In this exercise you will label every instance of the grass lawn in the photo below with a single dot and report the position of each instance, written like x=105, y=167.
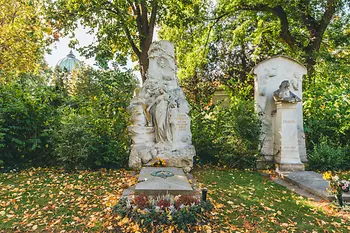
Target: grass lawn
x=250, y=202
x=49, y=199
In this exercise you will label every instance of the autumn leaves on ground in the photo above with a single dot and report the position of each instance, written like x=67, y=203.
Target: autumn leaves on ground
x=50, y=200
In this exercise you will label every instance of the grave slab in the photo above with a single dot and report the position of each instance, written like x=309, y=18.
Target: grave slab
x=313, y=183
x=153, y=185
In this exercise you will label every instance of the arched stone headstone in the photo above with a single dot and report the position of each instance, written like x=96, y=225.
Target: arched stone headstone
x=269, y=74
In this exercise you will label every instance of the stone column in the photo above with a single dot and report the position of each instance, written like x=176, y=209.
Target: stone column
x=286, y=138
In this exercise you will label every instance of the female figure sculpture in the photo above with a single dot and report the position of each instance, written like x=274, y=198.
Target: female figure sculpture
x=160, y=117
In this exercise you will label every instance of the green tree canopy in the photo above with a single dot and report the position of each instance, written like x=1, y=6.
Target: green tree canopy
x=301, y=24
x=234, y=35
x=22, y=37
x=122, y=27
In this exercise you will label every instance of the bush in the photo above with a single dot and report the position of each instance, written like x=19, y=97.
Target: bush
x=326, y=105
x=327, y=156
x=229, y=135
x=93, y=128
x=77, y=124
x=28, y=118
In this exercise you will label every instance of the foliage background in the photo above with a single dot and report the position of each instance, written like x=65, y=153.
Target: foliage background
x=50, y=118
x=78, y=124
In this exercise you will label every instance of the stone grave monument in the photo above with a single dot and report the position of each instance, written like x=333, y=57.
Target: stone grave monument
x=286, y=147
x=278, y=101
x=161, y=126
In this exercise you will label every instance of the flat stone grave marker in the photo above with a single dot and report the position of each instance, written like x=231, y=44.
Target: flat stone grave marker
x=313, y=183
x=153, y=185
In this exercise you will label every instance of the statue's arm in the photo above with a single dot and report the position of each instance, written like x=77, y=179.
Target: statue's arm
x=153, y=102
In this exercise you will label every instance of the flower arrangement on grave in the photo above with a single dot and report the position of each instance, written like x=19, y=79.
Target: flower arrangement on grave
x=158, y=162
x=167, y=209
x=337, y=186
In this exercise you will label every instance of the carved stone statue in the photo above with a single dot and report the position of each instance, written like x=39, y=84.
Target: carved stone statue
x=160, y=122
x=160, y=117
x=283, y=94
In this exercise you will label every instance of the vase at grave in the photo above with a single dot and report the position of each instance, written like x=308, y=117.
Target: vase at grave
x=340, y=199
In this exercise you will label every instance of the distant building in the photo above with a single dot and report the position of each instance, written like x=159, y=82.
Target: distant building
x=69, y=63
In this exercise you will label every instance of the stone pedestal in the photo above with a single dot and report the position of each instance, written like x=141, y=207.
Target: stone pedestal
x=286, y=146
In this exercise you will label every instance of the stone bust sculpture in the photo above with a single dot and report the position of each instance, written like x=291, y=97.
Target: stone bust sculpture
x=283, y=94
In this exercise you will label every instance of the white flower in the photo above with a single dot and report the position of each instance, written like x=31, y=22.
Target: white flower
x=182, y=206
x=172, y=209
x=335, y=178
x=128, y=204
x=153, y=202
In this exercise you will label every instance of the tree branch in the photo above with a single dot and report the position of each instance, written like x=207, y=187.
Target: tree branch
x=126, y=29
x=309, y=21
x=137, y=12
x=277, y=11
x=282, y=16
x=328, y=15
x=284, y=26
x=152, y=21
x=144, y=14
x=317, y=28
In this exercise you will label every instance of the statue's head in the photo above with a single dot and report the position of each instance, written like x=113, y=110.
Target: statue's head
x=163, y=47
x=284, y=85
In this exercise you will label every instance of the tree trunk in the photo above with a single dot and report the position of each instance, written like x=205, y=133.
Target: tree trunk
x=144, y=64
x=310, y=67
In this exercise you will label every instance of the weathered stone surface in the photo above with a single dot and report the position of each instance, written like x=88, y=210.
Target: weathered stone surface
x=159, y=114
x=313, y=183
x=152, y=185
x=268, y=76
x=291, y=167
x=180, y=157
x=286, y=148
x=141, y=134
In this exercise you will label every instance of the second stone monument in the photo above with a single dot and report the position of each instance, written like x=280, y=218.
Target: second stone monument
x=278, y=101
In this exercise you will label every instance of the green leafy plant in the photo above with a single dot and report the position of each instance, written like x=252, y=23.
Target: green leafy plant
x=93, y=132
x=29, y=115
x=227, y=135
x=153, y=211
x=328, y=156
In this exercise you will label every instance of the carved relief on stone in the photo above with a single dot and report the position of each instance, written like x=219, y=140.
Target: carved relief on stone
x=162, y=107
x=268, y=76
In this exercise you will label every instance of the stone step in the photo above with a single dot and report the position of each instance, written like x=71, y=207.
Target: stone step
x=312, y=182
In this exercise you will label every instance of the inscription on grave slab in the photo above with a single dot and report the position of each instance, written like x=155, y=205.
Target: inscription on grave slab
x=182, y=122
